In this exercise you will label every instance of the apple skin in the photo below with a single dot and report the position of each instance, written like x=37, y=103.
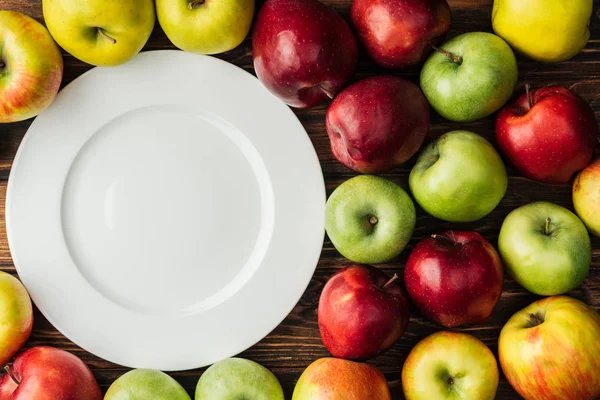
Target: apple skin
x=100, y=32
x=475, y=81
x=551, y=140
x=337, y=379
x=303, y=51
x=377, y=123
x=369, y=219
x=450, y=365
x=31, y=67
x=48, y=373
x=586, y=197
x=556, y=359
x=16, y=314
x=550, y=263
x=141, y=384
x=459, y=177
x=362, y=313
x=454, y=278
x=399, y=33
x=237, y=378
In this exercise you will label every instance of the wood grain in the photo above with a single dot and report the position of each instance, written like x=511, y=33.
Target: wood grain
x=295, y=343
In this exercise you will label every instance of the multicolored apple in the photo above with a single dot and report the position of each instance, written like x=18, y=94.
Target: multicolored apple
x=586, y=196
x=16, y=317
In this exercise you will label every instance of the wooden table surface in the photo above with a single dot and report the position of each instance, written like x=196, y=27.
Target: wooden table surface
x=296, y=342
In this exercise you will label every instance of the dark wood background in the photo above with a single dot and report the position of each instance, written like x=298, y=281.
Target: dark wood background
x=296, y=342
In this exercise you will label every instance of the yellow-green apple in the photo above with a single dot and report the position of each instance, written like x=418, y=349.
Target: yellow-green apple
x=586, y=196
x=48, y=373
x=549, y=350
x=454, y=278
x=141, y=384
x=100, y=32
x=31, y=67
x=238, y=378
x=369, y=219
x=337, y=379
x=545, y=248
x=548, y=134
x=450, y=365
x=399, y=33
x=549, y=31
x=205, y=26
x=470, y=77
x=303, y=51
x=16, y=316
x=377, y=123
x=362, y=312
x=459, y=177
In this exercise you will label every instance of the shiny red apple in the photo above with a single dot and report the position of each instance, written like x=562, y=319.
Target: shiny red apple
x=48, y=373
x=303, y=51
x=399, y=33
x=362, y=312
x=548, y=134
x=454, y=278
x=377, y=123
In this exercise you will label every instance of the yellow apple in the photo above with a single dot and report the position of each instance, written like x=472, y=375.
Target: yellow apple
x=100, y=32
x=586, y=196
x=31, y=67
x=205, y=26
x=16, y=316
x=548, y=31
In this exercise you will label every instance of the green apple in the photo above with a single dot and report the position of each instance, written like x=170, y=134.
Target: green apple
x=459, y=177
x=238, y=378
x=144, y=384
x=450, y=365
x=204, y=26
x=369, y=219
x=470, y=76
x=31, y=67
x=545, y=248
x=100, y=32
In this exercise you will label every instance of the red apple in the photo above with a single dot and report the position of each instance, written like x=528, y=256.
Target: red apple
x=454, y=278
x=303, y=51
x=399, y=33
x=361, y=313
x=548, y=134
x=377, y=123
x=47, y=373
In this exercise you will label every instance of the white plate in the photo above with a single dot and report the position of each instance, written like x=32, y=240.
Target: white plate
x=166, y=213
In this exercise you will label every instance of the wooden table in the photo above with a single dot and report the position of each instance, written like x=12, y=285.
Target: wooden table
x=296, y=342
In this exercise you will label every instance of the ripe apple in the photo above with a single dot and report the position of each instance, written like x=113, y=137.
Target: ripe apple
x=399, y=33
x=549, y=350
x=369, y=219
x=31, y=67
x=100, y=32
x=454, y=278
x=586, y=197
x=146, y=384
x=362, y=313
x=334, y=378
x=377, y=123
x=470, y=76
x=545, y=248
x=16, y=316
x=47, y=373
x=545, y=31
x=450, y=365
x=237, y=378
x=548, y=134
x=303, y=51
x=205, y=27
x=459, y=177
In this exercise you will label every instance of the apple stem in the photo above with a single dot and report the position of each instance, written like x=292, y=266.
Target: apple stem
x=2, y=65
x=450, y=381
x=535, y=320
x=373, y=220
x=195, y=4
x=444, y=240
x=101, y=32
x=12, y=376
x=327, y=92
x=547, y=228
x=392, y=279
x=527, y=88
x=455, y=59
